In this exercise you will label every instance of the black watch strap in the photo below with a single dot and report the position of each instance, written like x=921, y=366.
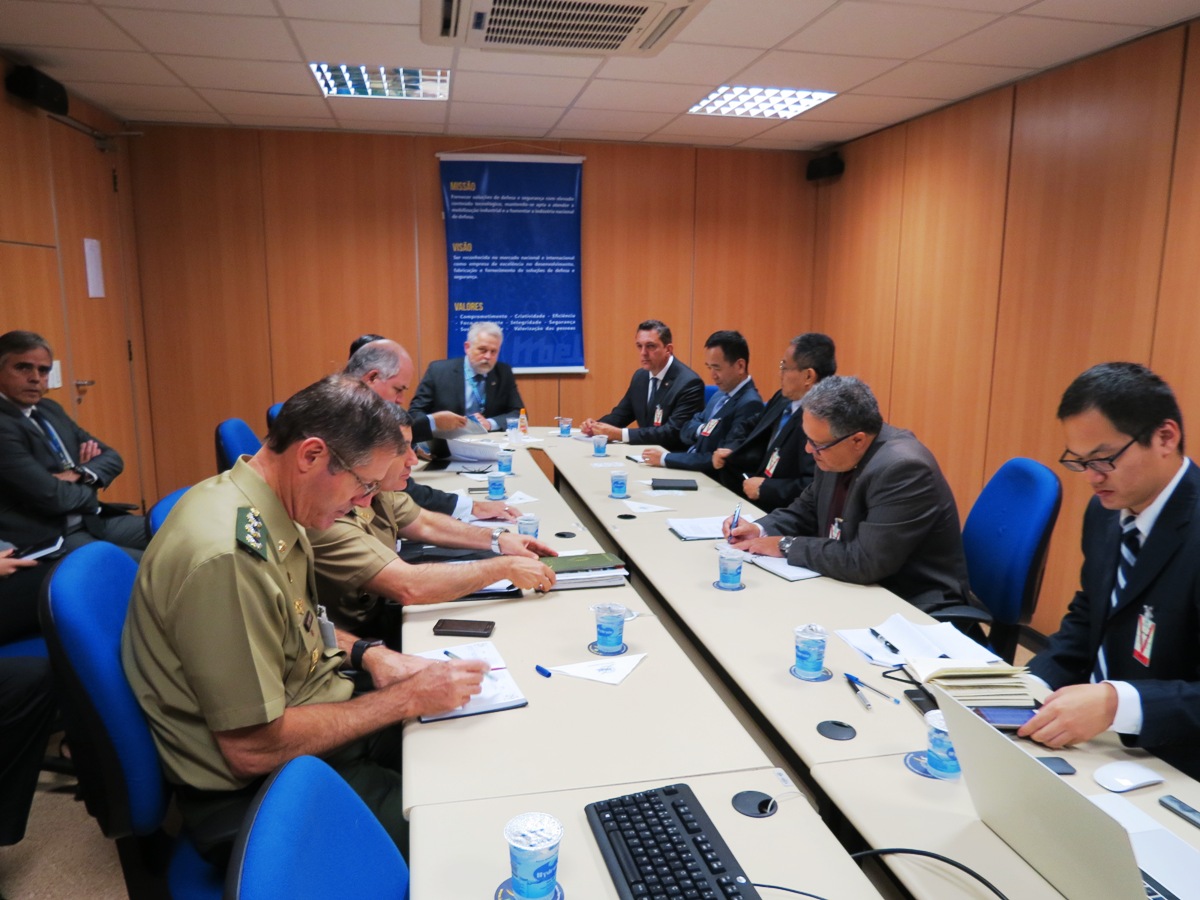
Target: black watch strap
x=361, y=647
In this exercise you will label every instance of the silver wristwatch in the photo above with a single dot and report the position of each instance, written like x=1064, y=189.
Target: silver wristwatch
x=496, y=532
x=785, y=544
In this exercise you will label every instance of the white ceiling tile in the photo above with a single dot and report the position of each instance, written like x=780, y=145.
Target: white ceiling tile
x=363, y=109
x=177, y=118
x=248, y=103
x=680, y=63
x=666, y=98
x=389, y=12
x=470, y=60
x=114, y=66
x=695, y=140
x=813, y=71
x=243, y=74
x=233, y=37
x=868, y=109
x=1033, y=43
x=498, y=115
x=734, y=23
x=732, y=128
x=582, y=134
x=1144, y=12
x=229, y=7
x=996, y=6
x=947, y=81
x=59, y=25
x=260, y=121
x=371, y=45
x=120, y=97
x=498, y=131
x=885, y=29
x=614, y=120
x=492, y=87
x=391, y=127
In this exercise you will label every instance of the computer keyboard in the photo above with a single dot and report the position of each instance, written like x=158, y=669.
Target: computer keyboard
x=662, y=844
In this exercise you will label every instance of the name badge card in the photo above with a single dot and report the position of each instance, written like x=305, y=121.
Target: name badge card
x=658, y=415
x=709, y=426
x=772, y=463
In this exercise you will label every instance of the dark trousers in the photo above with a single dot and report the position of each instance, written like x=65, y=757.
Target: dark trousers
x=130, y=533
x=19, y=602
x=27, y=710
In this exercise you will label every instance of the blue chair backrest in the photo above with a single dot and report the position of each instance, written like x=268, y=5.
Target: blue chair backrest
x=1006, y=537
x=83, y=612
x=158, y=512
x=709, y=390
x=273, y=855
x=234, y=438
x=272, y=412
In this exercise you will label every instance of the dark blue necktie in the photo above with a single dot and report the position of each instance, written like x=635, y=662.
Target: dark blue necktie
x=477, y=395
x=653, y=394
x=783, y=420
x=1131, y=543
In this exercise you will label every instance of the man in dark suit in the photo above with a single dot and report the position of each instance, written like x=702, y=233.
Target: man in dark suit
x=662, y=396
x=767, y=462
x=51, y=469
x=878, y=510
x=735, y=404
x=476, y=385
x=1126, y=657
x=387, y=369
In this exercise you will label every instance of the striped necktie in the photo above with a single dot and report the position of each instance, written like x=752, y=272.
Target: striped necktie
x=1131, y=543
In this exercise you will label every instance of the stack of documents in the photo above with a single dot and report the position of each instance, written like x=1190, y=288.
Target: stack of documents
x=586, y=570
x=500, y=690
x=707, y=528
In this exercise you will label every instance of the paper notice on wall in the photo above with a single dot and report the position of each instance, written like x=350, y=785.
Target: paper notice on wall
x=95, y=267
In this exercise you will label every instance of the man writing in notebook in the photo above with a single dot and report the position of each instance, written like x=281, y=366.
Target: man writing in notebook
x=878, y=510
x=1126, y=657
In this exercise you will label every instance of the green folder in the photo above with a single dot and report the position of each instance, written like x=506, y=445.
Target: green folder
x=583, y=563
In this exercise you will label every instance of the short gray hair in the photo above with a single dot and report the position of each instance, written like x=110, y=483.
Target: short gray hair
x=382, y=355
x=845, y=404
x=22, y=342
x=479, y=328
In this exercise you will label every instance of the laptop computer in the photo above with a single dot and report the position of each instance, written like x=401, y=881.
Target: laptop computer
x=1082, y=850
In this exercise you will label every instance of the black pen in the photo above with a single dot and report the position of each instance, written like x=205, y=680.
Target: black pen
x=863, y=698
x=879, y=637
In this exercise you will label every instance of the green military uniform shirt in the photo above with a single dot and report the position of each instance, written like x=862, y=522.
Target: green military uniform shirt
x=354, y=550
x=222, y=630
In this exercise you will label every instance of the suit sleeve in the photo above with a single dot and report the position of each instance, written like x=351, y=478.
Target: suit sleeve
x=743, y=416
x=777, y=492
x=431, y=498
x=424, y=400
x=797, y=519
x=901, y=507
x=29, y=484
x=688, y=402
x=622, y=414
x=690, y=432
x=107, y=466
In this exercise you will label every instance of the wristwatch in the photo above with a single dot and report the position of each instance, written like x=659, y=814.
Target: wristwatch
x=357, y=651
x=785, y=544
x=496, y=532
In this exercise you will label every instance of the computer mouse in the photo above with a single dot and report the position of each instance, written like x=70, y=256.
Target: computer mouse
x=1125, y=776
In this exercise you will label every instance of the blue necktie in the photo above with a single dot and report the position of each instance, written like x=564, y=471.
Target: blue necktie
x=653, y=394
x=477, y=402
x=1131, y=543
x=783, y=420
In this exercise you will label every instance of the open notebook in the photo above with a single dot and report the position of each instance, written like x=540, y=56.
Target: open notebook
x=500, y=690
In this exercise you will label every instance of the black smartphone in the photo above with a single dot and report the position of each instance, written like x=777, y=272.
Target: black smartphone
x=1177, y=806
x=1057, y=765
x=473, y=628
x=1005, y=718
x=921, y=700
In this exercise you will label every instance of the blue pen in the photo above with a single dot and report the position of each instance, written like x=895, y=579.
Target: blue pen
x=737, y=517
x=854, y=679
x=487, y=674
x=543, y=671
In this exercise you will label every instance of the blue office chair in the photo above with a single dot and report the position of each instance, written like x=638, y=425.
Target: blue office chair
x=234, y=438
x=709, y=390
x=158, y=512
x=83, y=611
x=1006, y=538
x=274, y=852
x=30, y=646
x=272, y=412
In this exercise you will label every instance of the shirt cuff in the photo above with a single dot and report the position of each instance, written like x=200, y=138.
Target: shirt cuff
x=462, y=508
x=89, y=477
x=493, y=425
x=624, y=435
x=1128, y=719
x=432, y=424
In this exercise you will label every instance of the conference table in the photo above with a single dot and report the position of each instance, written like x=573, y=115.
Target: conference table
x=578, y=741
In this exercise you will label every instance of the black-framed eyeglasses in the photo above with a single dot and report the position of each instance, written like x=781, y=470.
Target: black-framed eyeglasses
x=368, y=488
x=821, y=448
x=1103, y=464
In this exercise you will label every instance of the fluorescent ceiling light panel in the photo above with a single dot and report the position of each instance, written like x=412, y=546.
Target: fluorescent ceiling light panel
x=382, y=82
x=758, y=102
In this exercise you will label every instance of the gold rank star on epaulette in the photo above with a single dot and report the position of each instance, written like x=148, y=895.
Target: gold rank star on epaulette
x=251, y=533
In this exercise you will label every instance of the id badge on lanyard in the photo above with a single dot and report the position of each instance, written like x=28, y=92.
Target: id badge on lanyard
x=658, y=416
x=1143, y=638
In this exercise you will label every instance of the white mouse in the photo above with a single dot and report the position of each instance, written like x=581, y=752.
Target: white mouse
x=1125, y=776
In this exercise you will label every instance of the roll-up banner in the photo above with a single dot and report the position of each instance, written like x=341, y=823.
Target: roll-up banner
x=512, y=254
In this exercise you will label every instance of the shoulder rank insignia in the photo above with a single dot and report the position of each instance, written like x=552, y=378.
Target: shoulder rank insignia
x=251, y=532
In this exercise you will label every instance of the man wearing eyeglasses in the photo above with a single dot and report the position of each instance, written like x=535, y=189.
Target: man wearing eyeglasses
x=1126, y=657
x=878, y=510
x=226, y=649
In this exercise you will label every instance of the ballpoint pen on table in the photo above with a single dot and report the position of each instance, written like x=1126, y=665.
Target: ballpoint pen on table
x=862, y=698
x=854, y=679
x=488, y=674
x=879, y=637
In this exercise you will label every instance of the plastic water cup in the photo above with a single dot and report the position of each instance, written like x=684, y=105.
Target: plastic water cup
x=941, y=761
x=512, y=430
x=533, y=840
x=610, y=628
x=504, y=460
x=528, y=524
x=564, y=427
x=619, y=480
x=495, y=485
x=729, y=562
x=600, y=444
x=810, y=651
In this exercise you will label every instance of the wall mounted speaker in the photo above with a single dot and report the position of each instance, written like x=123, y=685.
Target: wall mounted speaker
x=41, y=90
x=825, y=167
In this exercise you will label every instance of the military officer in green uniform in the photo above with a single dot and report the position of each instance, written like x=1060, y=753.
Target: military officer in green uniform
x=224, y=644
x=357, y=564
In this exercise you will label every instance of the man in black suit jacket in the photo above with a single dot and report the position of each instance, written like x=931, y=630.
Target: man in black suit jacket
x=662, y=396
x=51, y=469
x=476, y=385
x=878, y=510
x=735, y=403
x=766, y=462
x=387, y=369
x=1126, y=657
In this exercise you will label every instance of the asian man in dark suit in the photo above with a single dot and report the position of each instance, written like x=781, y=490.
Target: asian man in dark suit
x=767, y=462
x=663, y=395
x=879, y=510
x=1126, y=657
x=735, y=403
x=476, y=385
x=51, y=470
